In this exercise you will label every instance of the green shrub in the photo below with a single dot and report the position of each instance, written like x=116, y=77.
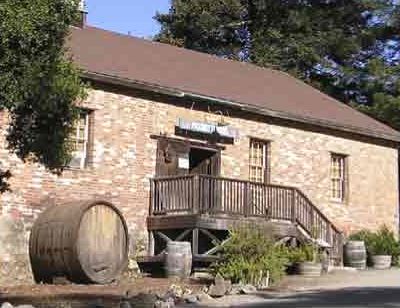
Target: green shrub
x=303, y=253
x=363, y=235
x=381, y=242
x=384, y=243
x=296, y=255
x=250, y=255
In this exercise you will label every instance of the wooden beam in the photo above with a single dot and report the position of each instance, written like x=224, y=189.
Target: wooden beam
x=283, y=240
x=178, y=238
x=194, y=143
x=163, y=236
x=216, y=248
x=210, y=235
x=151, y=244
x=182, y=235
x=212, y=251
x=195, y=241
x=294, y=242
x=205, y=258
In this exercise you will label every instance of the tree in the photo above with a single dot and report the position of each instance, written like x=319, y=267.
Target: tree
x=325, y=43
x=333, y=45
x=39, y=84
x=202, y=26
x=382, y=87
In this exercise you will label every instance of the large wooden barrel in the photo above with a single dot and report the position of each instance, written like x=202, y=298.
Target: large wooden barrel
x=178, y=261
x=84, y=241
x=355, y=254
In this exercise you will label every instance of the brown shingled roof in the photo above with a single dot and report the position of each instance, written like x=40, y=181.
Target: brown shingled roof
x=138, y=60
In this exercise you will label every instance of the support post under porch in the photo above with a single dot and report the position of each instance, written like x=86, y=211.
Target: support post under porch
x=195, y=241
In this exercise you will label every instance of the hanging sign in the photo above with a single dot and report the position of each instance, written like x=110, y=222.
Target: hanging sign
x=225, y=131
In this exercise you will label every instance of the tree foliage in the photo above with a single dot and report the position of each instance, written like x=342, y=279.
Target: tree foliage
x=202, y=26
x=38, y=82
x=341, y=47
x=382, y=87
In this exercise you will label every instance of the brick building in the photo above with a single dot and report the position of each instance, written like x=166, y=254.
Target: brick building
x=155, y=110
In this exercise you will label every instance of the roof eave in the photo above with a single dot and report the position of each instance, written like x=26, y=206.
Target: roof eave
x=136, y=84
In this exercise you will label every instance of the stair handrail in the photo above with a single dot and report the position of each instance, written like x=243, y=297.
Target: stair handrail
x=296, y=193
x=316, y=209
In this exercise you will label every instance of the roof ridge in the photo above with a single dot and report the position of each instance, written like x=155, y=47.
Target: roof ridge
x=186, y=50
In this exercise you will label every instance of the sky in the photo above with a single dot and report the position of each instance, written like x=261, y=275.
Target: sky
x=126, y=16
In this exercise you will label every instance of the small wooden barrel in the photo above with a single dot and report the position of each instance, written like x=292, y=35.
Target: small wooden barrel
x=310, y=269
x=178, y=262
x=86, y=242
x=355, y=254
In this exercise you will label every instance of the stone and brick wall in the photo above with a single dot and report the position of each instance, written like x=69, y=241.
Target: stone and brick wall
x=124, y=159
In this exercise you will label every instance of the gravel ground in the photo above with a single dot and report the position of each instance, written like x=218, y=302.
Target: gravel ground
x=341, y=289
x=72, y=295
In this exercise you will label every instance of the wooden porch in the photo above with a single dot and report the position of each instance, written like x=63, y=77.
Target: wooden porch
x=202, y=208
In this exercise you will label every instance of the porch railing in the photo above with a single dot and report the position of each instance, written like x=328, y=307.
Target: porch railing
x=203, y=194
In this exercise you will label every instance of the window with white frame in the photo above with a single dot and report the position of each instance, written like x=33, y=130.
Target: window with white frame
x=80, y=141
x=338, y=177
x=258, y=161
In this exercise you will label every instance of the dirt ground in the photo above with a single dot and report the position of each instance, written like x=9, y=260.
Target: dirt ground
x=147, y=285
x=290, y=287
x=49, y=295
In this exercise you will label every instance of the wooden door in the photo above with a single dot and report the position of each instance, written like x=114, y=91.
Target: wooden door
x=172, y=158
x=207, y=162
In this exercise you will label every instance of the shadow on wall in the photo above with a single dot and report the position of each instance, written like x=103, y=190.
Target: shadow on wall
x=14, y=256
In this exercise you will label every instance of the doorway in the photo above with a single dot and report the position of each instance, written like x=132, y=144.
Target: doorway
x=204, y=161
x=181, y=158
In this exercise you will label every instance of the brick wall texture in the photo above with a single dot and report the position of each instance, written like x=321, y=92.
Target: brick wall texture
x=124, y=159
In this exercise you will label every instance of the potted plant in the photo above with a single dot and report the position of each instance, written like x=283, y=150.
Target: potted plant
x=383, y=248
x=307, y=260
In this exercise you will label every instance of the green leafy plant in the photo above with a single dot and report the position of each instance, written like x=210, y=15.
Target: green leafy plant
x=381, y=242
x=296, y=255
x=39, y=84
x=363, y=235
x=384, y=243
x=303, y=253
x=250, y=256
x=311, y=249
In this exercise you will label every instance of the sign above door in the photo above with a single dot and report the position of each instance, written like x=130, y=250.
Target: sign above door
x=222, y=131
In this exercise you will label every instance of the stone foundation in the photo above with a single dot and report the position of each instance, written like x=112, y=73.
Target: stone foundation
x=14, y=258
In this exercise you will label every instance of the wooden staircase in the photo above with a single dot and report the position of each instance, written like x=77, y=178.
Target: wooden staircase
x=202, y=203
